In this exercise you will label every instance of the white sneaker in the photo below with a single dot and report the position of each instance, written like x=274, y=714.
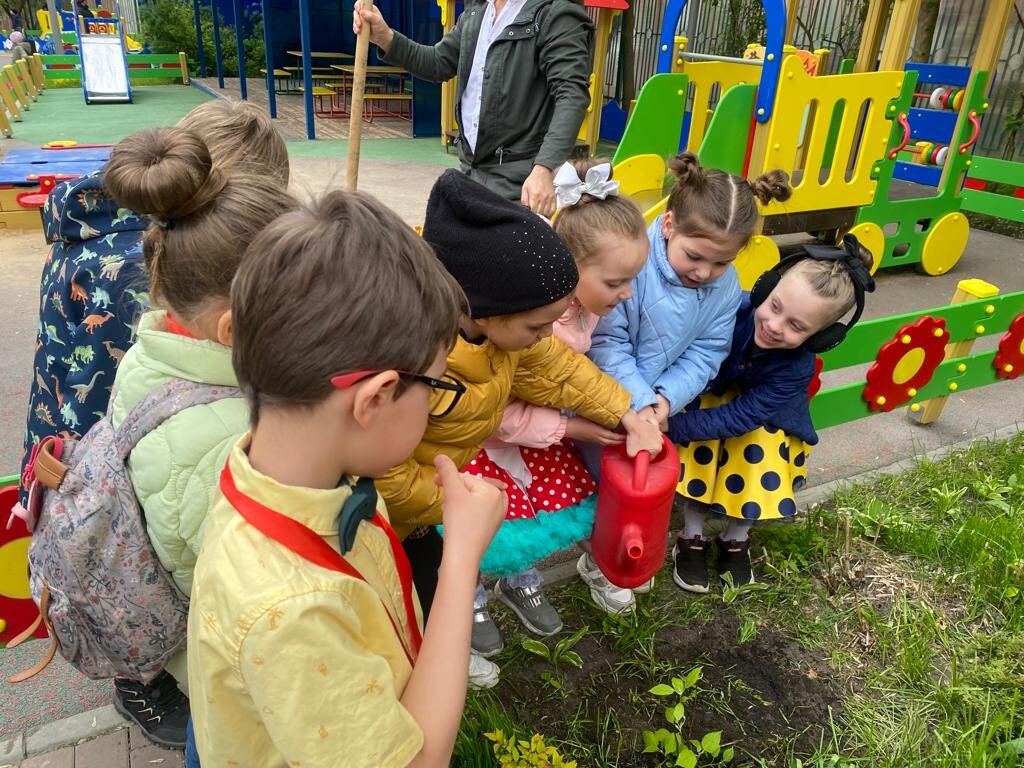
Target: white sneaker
x=608, y=597
x=483, y=674
x=644, y=588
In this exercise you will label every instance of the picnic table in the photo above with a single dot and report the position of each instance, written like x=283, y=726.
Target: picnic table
x=379, y=94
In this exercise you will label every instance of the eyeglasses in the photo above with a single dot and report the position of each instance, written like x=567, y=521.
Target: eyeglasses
x=444, y=396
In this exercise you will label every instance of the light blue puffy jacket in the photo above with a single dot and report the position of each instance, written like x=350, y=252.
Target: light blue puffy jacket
x=667, y=339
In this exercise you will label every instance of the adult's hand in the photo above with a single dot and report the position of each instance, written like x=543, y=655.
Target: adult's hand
x=381, y=34
x=539, y=191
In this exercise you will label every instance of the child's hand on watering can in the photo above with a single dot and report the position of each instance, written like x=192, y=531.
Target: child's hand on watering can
x=661, y=412
x=579, y=428
x=642, y=434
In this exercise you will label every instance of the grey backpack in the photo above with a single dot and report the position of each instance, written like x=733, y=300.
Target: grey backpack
x=110, y=607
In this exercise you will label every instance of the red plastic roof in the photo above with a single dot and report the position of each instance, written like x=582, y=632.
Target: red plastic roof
x=615, y=5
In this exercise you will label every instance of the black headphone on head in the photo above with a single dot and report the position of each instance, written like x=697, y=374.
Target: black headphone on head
x=849, y=255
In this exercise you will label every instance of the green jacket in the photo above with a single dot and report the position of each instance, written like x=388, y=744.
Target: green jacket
x=175, y=469
x=535, y=91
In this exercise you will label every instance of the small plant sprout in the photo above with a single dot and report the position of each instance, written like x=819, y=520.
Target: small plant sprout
x=730, y=593
x=674, y=748
x=520, y=753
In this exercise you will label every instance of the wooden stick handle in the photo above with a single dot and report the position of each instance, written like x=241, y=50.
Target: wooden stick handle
x=355, y=124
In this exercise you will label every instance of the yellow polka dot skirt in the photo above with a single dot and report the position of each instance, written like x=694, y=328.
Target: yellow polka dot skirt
x=751, y=477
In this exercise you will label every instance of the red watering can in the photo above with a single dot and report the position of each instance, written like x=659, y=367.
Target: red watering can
x=634, y=504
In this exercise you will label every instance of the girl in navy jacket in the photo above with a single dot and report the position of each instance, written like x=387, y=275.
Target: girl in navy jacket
x=744, y=443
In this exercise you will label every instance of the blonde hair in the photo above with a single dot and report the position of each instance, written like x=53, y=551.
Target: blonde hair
x=580, y=225
x=706, y=202
x=202, y=218
x=239, y=132
x=832, y=280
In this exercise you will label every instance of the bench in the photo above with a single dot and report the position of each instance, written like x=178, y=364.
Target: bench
x=319, y=92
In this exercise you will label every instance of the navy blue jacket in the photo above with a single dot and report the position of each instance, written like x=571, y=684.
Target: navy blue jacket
x=772, y=391
x=94, y=286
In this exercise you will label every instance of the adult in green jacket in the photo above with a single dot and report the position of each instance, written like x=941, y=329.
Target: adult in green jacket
x=523, y=69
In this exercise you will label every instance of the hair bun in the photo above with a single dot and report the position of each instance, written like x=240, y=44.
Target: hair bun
x=165, y=173
x=688, y=171
x=773, y=185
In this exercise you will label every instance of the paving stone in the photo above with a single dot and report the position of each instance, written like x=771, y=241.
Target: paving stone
x=142, y=754
x=108, y=751
x=62, y=758
x=72, y=730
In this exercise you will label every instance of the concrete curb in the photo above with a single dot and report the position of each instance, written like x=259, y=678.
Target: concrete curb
x=88, y=725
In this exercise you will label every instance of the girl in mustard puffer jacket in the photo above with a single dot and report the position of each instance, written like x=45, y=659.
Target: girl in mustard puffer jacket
x=519, y=277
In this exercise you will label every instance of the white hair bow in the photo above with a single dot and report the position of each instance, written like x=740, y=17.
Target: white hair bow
x=569, y=187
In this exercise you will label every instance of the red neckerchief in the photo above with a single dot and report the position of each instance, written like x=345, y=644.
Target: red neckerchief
x=173, y=326
x=310, y=546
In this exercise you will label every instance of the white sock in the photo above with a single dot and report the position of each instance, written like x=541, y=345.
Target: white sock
x=693, y=520
x=737, y=530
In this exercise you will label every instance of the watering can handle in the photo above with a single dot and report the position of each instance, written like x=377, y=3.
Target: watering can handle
x=640, y=465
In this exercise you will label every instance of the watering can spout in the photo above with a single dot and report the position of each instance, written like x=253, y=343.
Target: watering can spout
x=633, y=539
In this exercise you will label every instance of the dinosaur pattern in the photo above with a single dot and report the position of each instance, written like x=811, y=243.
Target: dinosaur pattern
x=93, y=289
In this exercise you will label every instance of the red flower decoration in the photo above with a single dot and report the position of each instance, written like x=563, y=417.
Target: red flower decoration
x=906, y=363
x=815, y=383
x=1009, y=360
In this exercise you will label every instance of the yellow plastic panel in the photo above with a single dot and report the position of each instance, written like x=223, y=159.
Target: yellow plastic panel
x=704, y=75
x=945, y=244
x=796, y=93
x=755, y=258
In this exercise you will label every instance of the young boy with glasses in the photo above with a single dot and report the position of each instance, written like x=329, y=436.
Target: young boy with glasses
x=305, y=637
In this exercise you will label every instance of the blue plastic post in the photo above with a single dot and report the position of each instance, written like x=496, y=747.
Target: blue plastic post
x=199, y=40
x=307, y=68
x=240, y=47
x=216, y=45
x=775, y=21
x=271, y=93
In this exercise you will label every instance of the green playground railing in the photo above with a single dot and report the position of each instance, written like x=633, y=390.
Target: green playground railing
x=920, y=358
x=141, y=67
x=979, y=199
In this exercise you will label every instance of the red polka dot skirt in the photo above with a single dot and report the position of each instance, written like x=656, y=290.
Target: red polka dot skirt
x=559, y=480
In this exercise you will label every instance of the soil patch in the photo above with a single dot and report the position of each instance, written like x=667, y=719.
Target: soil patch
x=762, y=694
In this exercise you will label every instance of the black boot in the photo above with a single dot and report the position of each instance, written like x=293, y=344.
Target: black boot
x=734, y=559
x=160, y=709
x=691, y=568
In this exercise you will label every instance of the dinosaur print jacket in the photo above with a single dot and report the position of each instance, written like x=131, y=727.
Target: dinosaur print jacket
x=93, y=289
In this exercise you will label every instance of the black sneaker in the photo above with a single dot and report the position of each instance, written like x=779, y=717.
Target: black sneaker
x=691, y=568
x=160, y=709
x=485, y=638
x=734, y=559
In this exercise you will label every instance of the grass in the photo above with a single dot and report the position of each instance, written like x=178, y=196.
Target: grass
x=890, y=632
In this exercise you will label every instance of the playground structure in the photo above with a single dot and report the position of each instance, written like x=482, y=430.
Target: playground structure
x=68, y=29
x=844, y=139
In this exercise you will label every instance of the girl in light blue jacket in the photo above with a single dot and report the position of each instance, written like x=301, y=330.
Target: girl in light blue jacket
x=666, y=342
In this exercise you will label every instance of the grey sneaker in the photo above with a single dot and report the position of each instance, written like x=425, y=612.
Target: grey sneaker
x=486, y=639
x=483, y=674
x=532, y=608
x=606, y=596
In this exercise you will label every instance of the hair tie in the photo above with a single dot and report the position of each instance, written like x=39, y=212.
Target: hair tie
x=855, y=265
x=569, y=187
x=165, y=225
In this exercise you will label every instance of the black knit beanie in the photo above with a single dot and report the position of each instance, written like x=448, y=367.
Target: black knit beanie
x=506, y=258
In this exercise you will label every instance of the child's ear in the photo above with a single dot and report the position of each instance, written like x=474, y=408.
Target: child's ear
x=224, y=328
x=372, y=396
x=666, y=225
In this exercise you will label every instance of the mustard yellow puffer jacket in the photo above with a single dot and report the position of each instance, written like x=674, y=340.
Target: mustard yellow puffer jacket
x=548, y=374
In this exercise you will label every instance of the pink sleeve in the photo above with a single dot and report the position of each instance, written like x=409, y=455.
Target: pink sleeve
x=530, y=426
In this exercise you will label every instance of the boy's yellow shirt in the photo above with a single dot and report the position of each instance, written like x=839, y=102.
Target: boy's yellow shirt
x=291, y=664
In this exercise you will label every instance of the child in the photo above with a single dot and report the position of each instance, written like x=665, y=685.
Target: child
x=551, y=502
x=519, y=277
x=304, y=656
x=202, y=218
x=745, y=447
x=666, y=342
x=20, y=47
x=93, y=289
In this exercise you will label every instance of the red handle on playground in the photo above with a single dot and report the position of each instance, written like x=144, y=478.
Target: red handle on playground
x=902, y=120
x=976, y=130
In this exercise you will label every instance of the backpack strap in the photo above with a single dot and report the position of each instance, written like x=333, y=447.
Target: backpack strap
x=160, y=404
x=39, y=666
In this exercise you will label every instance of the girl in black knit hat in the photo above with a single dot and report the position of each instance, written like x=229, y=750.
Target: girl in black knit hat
x=519, y=277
